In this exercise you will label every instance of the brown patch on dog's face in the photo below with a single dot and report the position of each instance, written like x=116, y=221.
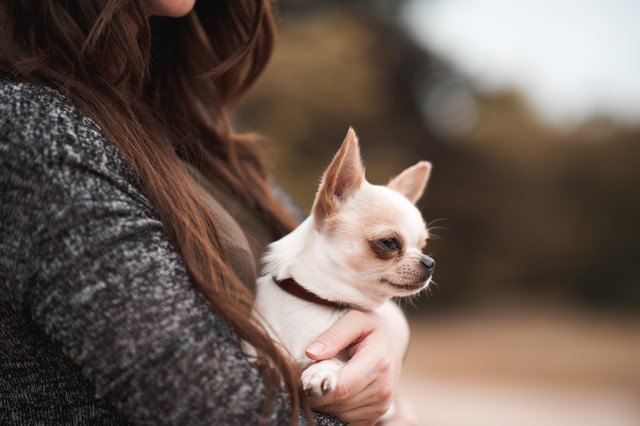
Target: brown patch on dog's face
x=387, y=247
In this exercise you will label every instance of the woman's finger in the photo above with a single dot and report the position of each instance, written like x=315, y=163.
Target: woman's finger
x=378, y=391
x=360, y=399
x=366, y=415
x=348, y=329
x=365, y=366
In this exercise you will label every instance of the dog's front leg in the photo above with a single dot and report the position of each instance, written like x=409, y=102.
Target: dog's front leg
x=321, y=377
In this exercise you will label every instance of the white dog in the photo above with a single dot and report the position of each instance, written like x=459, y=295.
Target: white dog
x=361, y=246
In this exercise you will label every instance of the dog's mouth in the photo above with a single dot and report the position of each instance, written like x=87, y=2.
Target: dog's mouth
x=407, y=287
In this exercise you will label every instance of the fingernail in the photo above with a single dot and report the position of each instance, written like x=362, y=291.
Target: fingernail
x=315, y=348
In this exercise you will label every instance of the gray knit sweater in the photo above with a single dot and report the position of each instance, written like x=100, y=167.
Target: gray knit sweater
x=99, y=321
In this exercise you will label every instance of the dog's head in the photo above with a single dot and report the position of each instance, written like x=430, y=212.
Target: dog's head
x=373, y=234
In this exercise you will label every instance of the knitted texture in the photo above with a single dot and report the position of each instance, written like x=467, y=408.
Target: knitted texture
x=99, y=321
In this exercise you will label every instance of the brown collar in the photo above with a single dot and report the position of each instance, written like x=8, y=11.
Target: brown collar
x=292, y=287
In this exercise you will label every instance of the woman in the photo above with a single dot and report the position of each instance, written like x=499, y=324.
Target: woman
x=132, y=218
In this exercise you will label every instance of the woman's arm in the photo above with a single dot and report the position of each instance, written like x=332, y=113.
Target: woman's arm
x=93, y=267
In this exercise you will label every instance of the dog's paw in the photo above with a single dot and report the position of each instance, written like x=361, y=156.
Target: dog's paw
x=319, y=379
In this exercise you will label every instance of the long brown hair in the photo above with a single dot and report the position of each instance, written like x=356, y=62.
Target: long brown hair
x=160, y=89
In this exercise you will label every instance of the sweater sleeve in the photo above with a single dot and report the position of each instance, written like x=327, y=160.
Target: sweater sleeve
x=85, y=256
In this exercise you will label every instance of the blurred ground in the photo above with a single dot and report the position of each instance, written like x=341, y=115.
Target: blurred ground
x=524, y=368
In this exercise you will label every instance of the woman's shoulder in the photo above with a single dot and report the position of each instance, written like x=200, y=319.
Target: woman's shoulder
x=42, y=128
x=40, y=113
x=43, y=120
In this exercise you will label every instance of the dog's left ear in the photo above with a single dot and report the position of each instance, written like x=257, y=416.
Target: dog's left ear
x=412, y=182
x=343, y=178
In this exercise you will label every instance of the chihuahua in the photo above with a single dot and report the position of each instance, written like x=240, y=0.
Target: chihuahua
x=361, y=245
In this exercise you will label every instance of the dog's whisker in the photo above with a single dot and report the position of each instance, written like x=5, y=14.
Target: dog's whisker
x=434, y=221
x=436, y=228
x=434, y=236
x=412, y=300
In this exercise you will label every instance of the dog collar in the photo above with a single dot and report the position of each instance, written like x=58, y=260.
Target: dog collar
x=292, y=287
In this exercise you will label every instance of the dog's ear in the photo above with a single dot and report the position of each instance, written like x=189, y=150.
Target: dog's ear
x=342, y=178
x=412, y=182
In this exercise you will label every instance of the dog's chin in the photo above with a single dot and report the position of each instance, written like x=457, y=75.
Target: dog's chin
x=401, y=290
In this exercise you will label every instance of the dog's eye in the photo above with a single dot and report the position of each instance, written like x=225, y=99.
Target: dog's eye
x=390, y=243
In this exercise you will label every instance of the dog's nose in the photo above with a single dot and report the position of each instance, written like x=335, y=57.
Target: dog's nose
x=428, y=263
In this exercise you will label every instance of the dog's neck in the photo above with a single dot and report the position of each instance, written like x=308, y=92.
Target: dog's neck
x=300, y=255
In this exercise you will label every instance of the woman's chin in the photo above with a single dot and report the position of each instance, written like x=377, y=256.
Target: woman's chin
x=170, y=8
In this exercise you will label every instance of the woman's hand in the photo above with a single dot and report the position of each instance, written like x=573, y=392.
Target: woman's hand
x=376, y=343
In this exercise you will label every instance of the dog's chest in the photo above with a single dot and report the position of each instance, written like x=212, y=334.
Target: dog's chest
x=293, y=322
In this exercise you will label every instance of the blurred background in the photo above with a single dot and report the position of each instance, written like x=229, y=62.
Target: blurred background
x=530, y=113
